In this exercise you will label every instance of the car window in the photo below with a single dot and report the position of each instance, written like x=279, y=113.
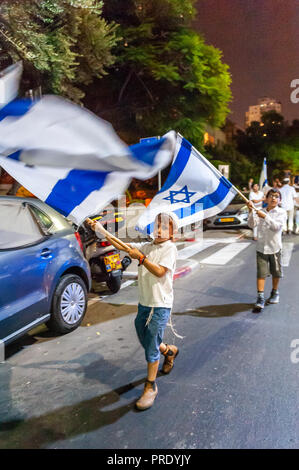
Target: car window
x=17, y=226
x=42, y=217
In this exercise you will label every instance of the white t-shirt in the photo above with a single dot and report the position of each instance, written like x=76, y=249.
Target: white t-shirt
x=256, y=196
x=157, y=291
x=287, y=197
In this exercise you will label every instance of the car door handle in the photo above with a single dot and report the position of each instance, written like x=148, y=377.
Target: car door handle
x=46, y=253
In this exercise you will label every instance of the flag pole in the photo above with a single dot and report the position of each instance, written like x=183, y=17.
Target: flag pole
x=221, y=175
x=117, y=240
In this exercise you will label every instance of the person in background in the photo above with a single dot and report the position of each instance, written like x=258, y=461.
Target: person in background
x=276, y=183
x=257, y=197
x=288, y=197
x=250, y=184
x=270, y=222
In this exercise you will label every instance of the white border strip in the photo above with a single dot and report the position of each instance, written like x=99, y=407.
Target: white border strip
x=26, y=328
x=2, y=351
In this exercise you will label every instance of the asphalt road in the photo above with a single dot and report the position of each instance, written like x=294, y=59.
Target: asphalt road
x=234, y=384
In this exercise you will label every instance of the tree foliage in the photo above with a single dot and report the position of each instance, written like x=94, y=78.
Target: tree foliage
x=241, y=168
x=274, y=139
x=165, y=75
x=64, y=43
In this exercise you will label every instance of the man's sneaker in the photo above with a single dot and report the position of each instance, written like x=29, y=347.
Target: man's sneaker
x=260, y=303
x=274, y=298
x=170, y=354
x=148, y=397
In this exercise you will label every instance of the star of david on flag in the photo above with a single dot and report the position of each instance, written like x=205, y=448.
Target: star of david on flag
x=194, y=190
x=174, y=194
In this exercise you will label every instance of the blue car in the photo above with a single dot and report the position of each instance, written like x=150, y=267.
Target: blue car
x=44, y=277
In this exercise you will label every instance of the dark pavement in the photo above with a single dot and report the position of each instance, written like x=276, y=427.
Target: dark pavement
x=233, y=385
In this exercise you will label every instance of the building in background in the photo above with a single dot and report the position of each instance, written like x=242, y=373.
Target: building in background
x=264, y=105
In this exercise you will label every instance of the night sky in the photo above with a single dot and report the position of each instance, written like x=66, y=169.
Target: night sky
x=260, y=43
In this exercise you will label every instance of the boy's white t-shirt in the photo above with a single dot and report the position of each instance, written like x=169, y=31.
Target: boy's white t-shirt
x=156, y=291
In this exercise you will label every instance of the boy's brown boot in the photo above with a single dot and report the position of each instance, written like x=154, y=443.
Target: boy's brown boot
x=148, y=397
x=170, y=354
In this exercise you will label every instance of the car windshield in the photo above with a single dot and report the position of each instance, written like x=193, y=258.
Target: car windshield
x=17, y=226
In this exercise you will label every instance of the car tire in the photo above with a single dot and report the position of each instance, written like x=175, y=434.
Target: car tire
x=114, y=284
x=69, y=304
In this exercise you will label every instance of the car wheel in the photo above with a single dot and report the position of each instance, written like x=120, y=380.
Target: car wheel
x=114, y=284
x=69, y=304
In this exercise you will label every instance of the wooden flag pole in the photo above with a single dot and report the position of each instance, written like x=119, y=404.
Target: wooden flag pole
x=237, y=190
x=117, y=240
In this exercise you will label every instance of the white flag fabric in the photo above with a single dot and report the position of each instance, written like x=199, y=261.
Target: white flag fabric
x=57, y=133
x=70, y=158
x=9, y=83
x=194, y=190
x=263, y=177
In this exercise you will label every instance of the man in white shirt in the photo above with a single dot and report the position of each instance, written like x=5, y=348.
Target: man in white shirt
x=257, y=197
x=288, y=196
x=157, y=261
x=270, y=222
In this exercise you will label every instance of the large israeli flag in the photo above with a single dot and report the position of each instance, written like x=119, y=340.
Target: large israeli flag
x=194, y=190
x=70, y=158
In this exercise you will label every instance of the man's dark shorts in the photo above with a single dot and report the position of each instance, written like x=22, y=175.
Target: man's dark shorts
x=268, y=265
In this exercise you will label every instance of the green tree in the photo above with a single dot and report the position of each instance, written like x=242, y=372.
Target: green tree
x=274, y=139
x=284, y=156
x=241, y=168
x=165, y=76
x=64, y=44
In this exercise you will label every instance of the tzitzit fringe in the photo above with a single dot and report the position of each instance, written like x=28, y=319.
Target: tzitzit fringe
x=172, y=327
x=168, y=324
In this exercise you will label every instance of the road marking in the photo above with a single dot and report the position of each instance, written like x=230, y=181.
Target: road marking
x=203, y=244
x=100, y=297
x=127, y=283
x=227, y=253
x=195, y=248
x=287, y=249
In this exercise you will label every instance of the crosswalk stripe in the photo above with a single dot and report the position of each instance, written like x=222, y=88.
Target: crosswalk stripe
x=227, y=253
x=287, y=249
x=195, y=248
x=203, y=244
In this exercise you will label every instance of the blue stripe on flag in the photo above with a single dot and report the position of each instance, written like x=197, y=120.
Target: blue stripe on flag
x=16, y=108
x=178, y=166
x=147, y=151
x=208, y=201
x=15, y=155
x=150, y=228
x=71, y=191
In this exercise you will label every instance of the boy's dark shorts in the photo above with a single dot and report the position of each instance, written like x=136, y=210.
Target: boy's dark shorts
x=268, y=265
